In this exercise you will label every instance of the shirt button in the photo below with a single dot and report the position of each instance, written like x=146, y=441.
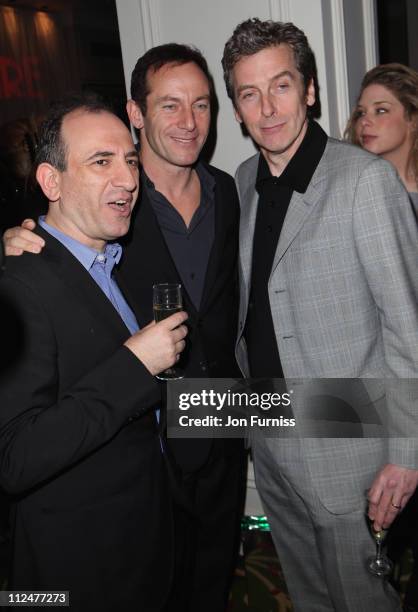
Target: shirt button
x=269, y=228
x=101, y=258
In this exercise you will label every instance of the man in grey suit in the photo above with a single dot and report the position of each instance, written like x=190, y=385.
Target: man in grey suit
x=329, y=289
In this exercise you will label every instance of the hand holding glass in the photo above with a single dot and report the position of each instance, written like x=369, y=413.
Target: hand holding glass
x=167, y=300
x=379, y=565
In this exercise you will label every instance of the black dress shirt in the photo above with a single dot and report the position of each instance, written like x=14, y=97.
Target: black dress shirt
x=189, y=246
x=275, y=194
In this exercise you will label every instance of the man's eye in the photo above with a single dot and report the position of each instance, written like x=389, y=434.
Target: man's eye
x=282, y=86
x=247, y=95
x=169, y=107
x=202, y=106
x=133, y=162
x=101, y=162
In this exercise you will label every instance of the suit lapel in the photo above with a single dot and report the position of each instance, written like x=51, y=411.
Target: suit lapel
x=249, y=203
x=149, y=233
x=215, y=255
x=128, y=297
x=76, y=277
x=300, y=208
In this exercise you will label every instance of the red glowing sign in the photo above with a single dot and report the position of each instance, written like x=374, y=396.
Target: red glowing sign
x=19, y=79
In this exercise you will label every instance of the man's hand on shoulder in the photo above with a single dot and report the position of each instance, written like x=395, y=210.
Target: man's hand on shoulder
x=389, y=494
x=17, y=240
x=158, y=345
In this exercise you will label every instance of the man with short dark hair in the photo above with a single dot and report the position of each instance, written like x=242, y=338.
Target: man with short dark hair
x=329, y=289
x=188, y=215
x=79, y=448
x=186, y=227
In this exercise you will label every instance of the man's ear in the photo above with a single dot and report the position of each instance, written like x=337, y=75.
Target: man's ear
x=310, y=93
x=135, y=114
x=48, y=178
x=237, y=115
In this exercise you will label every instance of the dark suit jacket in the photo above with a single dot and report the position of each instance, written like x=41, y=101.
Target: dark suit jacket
x=210, y=344
x=79, y=449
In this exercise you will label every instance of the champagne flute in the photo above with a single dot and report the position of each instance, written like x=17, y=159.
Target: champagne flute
x=167, y=300
x=379, y=565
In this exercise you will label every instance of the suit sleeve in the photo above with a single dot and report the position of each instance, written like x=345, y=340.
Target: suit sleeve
x=41, y=431
x=386, y=237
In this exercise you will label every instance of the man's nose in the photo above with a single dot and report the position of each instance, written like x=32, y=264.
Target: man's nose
x=187, y=119
x=267, y=105
x=126, y=176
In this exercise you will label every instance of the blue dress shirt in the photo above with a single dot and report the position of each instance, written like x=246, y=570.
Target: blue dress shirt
x=100, y=267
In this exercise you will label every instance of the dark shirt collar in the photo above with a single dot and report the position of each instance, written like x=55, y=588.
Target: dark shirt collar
x=299, y=171
x=207, y=183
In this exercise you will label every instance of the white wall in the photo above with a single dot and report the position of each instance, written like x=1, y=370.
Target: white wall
x=361, y=42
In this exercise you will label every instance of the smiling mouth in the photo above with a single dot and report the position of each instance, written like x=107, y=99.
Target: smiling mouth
x=184, y=140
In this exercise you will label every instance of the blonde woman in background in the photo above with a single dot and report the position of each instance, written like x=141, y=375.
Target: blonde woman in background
x=385, y=120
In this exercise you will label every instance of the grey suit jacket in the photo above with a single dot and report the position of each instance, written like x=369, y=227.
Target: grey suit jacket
x=343, y=293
